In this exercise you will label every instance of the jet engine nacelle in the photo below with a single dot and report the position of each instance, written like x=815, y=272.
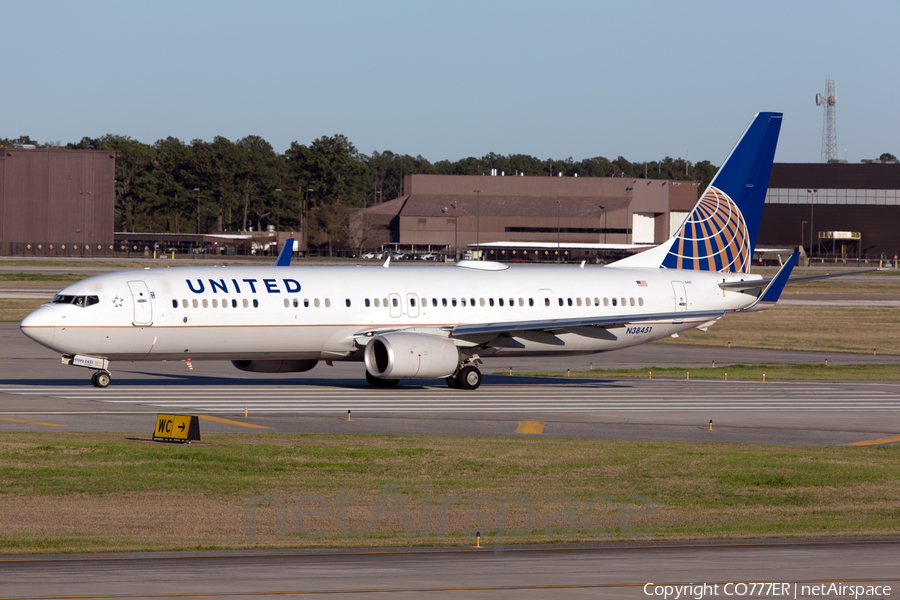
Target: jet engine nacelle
x=410, y=356
x=275, y=366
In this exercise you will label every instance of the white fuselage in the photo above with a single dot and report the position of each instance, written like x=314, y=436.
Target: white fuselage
x=237, y=313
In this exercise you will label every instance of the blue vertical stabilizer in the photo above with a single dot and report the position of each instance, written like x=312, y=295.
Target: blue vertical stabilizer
x=720, y=232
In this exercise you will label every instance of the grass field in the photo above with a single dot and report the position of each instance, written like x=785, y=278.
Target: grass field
x=105, y=492
x=808, y=328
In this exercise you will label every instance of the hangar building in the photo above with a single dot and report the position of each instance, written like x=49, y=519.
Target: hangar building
x=57, y=202
x=460, y=211
x=834, y=210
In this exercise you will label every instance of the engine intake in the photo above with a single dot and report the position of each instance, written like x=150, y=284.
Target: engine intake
x=410, y=356
x=275, y=366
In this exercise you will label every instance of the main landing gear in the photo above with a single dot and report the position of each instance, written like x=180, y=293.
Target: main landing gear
x=467, y=378
x=100, y=379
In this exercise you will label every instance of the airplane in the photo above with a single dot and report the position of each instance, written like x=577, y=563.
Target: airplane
x=434, y=322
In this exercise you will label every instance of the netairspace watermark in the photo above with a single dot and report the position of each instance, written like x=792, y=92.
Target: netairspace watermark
x=766, y=590
x=501, y=517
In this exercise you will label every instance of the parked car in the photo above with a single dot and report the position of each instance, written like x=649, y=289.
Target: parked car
x=375, y=255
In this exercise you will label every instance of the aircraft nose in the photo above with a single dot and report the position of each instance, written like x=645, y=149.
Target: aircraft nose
x=40, y=325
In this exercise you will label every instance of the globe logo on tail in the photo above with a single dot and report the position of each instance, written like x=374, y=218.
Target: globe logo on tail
x=713, y=238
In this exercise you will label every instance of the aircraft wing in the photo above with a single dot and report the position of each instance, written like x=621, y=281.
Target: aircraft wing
x=549, y=325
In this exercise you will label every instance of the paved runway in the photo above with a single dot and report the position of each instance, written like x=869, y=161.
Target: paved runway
x=600, y=572
x=38, y=393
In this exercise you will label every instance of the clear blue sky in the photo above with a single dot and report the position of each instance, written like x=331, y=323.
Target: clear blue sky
x=447, y=80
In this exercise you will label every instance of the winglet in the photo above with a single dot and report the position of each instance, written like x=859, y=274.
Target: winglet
x=772, y=293
x=284, y=259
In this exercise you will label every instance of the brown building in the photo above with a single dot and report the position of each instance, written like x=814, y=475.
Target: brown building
x=56, y=202
x=464, y=211
x=834, y=210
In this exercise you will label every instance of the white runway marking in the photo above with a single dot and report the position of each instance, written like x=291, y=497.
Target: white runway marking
x=616, y=396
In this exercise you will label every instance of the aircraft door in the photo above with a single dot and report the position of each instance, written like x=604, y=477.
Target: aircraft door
x=680, y=296
x=396, y=307
x=143, y=308
x=412, y=302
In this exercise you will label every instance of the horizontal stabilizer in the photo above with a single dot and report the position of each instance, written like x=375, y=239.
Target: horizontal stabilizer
x=772, y=293
x=755, y=284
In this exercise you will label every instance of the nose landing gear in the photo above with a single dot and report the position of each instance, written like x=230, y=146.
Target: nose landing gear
x=100, y=379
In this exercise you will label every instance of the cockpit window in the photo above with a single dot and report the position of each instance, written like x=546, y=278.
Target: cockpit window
x=76, y=300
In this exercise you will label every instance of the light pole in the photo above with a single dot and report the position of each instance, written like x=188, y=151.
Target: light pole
x=478, y=221
x=304, y=219
x=811, y=196
x=802, y=223
x=557, y=231
x=198, y=209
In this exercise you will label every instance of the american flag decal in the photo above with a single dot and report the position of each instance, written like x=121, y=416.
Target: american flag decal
x=641, y=283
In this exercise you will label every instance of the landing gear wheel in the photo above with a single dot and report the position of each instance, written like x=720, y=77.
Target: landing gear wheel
x=100, y=379
x=452, y=382
x=469, y=378
x=376, y=382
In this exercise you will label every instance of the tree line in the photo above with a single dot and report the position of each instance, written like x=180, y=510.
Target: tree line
x=173, y=186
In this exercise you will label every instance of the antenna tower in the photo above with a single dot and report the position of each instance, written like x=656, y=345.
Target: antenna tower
x=829, y=124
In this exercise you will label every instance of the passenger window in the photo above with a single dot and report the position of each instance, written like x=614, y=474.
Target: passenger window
x=194, y=303
x=412, y=301
x=570, y=302
x=234, y=303
x=453, y=301
x=184, y=303
x=531, y=302
x=546, y=301
x=512, y=301
x=367, y=303
x=578, y=301
x=316, y=302
x=472, y=302
x=462, y=301
x=255, y=303
x=215, y=303
x=587, y=301
x=174, y=303
x=444, y=302
x=394, y=302
x=490, y=301
x=205, y=303
x=521, y=301
x=596, y=301
x=614, y=302
x=296, y=303
x=481, y=301
x=606, y=302
x=377, y=303
x=560, y=302
x=623, y=302
x=347, y=302
x=434, y=302
x=640, y=301
x=245, y=303
x=500, y=301
x=327, y=302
